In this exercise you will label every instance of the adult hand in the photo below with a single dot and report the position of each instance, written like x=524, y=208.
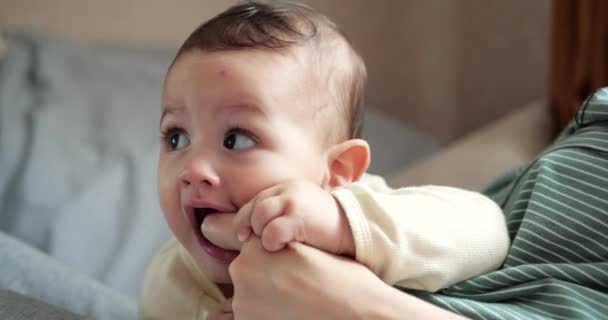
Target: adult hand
x=289, y=284
x=301, y=282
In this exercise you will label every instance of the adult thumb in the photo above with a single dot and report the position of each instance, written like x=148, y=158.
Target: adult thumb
x=219, y=229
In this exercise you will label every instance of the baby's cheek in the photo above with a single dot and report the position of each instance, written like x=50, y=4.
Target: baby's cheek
x=171, y=209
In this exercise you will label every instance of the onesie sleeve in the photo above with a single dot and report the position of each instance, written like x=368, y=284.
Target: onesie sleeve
x=425, y=238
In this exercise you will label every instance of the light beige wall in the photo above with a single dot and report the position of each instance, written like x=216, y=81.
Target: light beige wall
x=448, y=67
x=132, y=22
x=443, y=66
x=475, y=60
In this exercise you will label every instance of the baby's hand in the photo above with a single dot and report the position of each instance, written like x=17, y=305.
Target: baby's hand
x=296, y=211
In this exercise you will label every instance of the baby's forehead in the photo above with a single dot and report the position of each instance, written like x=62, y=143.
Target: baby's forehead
x=261, y=75
x=320, y=92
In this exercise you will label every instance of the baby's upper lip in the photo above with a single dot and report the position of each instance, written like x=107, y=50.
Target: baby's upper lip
x=205, y=204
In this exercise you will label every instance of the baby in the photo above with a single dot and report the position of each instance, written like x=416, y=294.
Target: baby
x=261, y=116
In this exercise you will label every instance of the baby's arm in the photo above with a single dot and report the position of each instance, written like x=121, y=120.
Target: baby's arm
x=418, y=237
x=424, y=237
x=296, y=211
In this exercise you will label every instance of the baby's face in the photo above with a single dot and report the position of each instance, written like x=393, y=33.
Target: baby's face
x=234, y=123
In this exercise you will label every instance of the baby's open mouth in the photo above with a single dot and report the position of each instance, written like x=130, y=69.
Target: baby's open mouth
x=200, y=214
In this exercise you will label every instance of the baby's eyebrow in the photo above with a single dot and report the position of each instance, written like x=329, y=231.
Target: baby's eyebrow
x=170, y=109
x=247, y=107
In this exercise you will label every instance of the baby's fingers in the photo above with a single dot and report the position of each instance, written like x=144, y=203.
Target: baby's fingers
x=264, y=212
x=242, y=221
x=280, y=232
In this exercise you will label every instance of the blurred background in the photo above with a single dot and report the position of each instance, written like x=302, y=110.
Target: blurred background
x=444, y=67
x=459, y=92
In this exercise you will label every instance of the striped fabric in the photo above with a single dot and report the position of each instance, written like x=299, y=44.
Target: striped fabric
x=557, y=215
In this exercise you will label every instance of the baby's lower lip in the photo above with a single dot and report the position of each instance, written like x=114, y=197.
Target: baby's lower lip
x=220, y=253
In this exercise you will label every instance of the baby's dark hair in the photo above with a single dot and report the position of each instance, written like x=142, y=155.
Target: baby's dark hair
x=280, y=25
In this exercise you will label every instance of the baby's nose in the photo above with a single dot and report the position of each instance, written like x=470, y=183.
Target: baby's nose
x=198, y=174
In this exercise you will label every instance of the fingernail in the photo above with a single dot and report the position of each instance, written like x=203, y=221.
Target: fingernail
x=243, y=234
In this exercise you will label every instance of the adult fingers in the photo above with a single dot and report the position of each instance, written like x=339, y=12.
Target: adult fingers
x=219, y=229
x=246, y=266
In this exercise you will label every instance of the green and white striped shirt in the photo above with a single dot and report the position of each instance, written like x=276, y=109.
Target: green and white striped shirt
x=557, y=214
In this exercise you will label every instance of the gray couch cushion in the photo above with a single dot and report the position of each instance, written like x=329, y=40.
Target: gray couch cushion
x=14, y=306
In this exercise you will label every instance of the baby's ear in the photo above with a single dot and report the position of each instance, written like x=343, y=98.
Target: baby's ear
x=347, y=162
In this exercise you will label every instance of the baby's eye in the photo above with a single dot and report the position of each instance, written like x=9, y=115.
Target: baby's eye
x=177, y=139
x=238, y=140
